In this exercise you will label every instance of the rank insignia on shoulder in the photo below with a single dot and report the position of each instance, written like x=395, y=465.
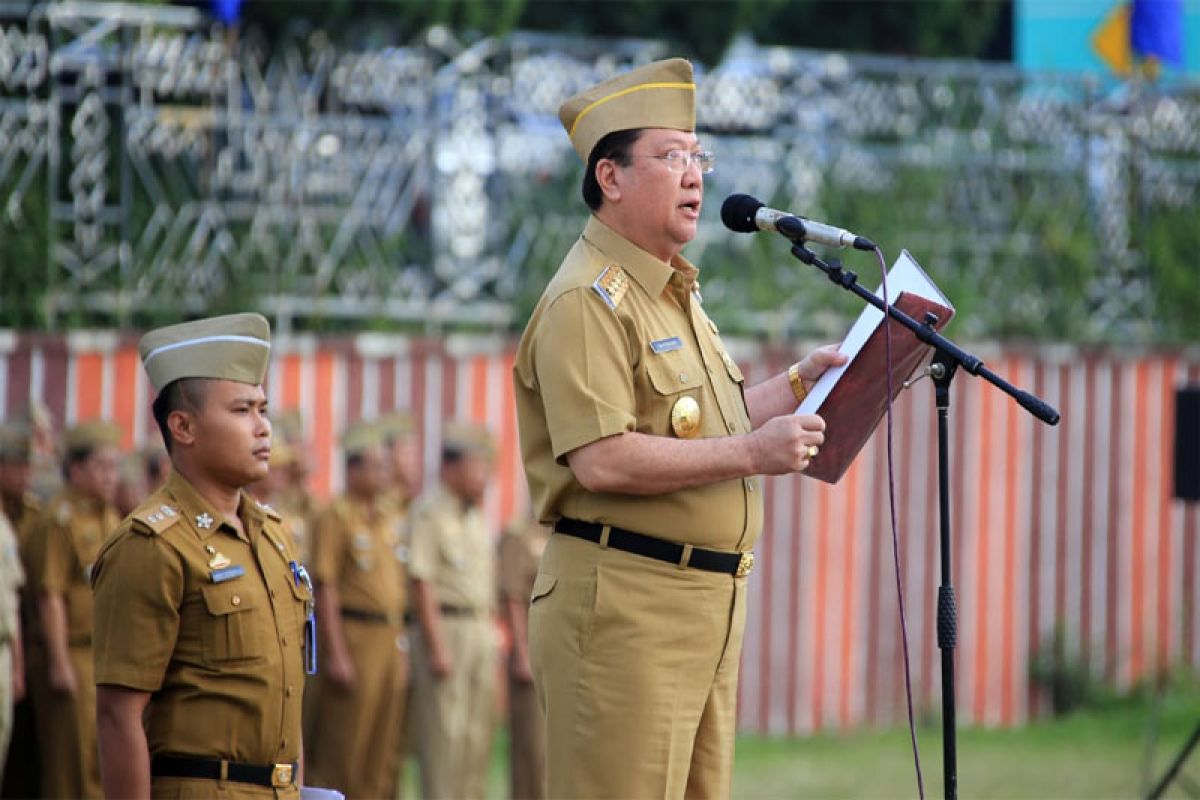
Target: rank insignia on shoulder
x=157, y=519
x=611, y=285
x=666, y=345
x=227, y=573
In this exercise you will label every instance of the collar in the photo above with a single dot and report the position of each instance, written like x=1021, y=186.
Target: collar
x=652, y=274
x=193, y=506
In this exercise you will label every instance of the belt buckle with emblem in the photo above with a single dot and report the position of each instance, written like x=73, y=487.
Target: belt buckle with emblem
x=685, y=417
x=745, y=565
x=281, y=776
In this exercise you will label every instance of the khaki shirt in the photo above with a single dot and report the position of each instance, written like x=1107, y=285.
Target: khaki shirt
x=220, y=652
x=12, y=578
x=520, y=549
x=63, y=545
x=604, y=355
x=361, y=554
x=450, y=548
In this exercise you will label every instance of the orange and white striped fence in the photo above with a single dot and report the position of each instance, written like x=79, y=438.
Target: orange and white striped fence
x=1071, y=528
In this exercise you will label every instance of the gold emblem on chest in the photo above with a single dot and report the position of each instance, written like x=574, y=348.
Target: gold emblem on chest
x=685, y=417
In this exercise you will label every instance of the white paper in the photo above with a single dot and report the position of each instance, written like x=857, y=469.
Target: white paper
x=316, y=793
x=905, y=275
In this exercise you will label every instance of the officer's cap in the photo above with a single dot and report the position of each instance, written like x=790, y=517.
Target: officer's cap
x=234, y=347
x=396, y=424
x=657, y=95
x=361, y=436
x=91, y=435
x=463, y=437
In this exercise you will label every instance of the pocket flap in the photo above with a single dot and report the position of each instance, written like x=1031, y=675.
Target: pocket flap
x=543, y=585
x=223, y=600
x=670, y=375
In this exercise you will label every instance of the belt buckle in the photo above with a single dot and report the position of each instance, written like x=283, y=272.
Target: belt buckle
x=745, y=565
x=281, y=776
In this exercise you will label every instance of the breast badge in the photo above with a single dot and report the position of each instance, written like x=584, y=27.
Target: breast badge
x=685, y=417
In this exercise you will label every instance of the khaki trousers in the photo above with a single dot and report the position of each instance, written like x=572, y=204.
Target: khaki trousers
x=354, y=745
x=66, y=727
x=636, y=665
x=454, y=717
x=527, y=742
x=6, y=700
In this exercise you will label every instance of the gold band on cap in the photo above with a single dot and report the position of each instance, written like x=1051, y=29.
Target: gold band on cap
x=589, y=108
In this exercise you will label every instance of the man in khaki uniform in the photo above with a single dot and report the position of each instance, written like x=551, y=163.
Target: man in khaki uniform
x=22, y=774
x=452, y=566
x=62, y=547
x=201, y=606
x=360, y=584
x=521, y=547
x=641, y=446
x=12, y=654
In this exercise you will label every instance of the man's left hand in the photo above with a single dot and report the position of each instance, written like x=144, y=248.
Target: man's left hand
x=815, y=363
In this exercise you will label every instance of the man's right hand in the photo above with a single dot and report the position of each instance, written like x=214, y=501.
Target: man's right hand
x=440, y=663
x=781, y=443
x=340, y=670
x=62, y=679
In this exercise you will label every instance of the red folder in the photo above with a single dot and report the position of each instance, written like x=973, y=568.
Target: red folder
x=858, y=400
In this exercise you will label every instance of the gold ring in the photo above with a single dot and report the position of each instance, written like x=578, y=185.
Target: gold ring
x=812, y=451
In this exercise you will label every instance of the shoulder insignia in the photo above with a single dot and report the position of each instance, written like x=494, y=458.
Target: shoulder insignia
x=154, y=519
x=611, y=285
x=270, y=512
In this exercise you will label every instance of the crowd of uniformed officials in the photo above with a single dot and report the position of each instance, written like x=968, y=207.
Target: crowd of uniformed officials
x=414, y=601
x=193, y=622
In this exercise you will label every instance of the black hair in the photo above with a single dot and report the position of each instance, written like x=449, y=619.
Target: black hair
x=75, y=455
x=185, y=394
x=614, y=146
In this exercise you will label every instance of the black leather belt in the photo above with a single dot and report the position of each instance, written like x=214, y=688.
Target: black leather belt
x=275, y=775
x=359, y=615
x=738, y=564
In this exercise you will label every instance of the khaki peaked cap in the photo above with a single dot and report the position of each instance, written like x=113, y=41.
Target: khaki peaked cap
x=657, y=95
x=234, y=347
x=361, y=436
x=92, y=434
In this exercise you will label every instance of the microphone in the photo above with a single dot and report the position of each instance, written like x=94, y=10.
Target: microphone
x=745, y=214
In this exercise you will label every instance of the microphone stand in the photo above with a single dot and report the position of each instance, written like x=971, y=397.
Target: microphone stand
x=948, y=358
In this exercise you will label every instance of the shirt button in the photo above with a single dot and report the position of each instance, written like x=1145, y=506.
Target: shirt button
x=288, y=691
x=272, y=593
x=683, y=377
x=284, y=639
x=731, y=426
x=237, y=601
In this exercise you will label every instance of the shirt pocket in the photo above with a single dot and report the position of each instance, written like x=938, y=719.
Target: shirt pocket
x=672, y=376
x=230, y=631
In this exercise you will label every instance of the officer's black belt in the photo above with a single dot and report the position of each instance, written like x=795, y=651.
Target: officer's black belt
x=660, y=549
x=359, y=615
x=458, y=611
x=276, y=775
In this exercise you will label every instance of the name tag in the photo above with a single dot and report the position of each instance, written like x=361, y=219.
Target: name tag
x=666, y=345
x=227, y=574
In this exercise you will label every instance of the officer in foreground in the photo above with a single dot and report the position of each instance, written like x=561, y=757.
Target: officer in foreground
x=641, y=444
x=201, y=605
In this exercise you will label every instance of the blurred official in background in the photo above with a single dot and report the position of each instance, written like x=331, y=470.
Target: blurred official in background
x=63, y=545
x=22, y=777
x=452, y=565
x=12, y=653
x=201, y=604
x=520, y=549
x=641, y=447
x=360, y=584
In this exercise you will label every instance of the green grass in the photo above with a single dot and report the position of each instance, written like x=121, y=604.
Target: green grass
x=1095, y=753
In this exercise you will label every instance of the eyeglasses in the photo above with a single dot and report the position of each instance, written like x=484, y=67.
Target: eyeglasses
x=678, y=161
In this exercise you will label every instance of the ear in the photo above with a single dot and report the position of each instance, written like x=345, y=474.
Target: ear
x=182, y=425
x=608, y=178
